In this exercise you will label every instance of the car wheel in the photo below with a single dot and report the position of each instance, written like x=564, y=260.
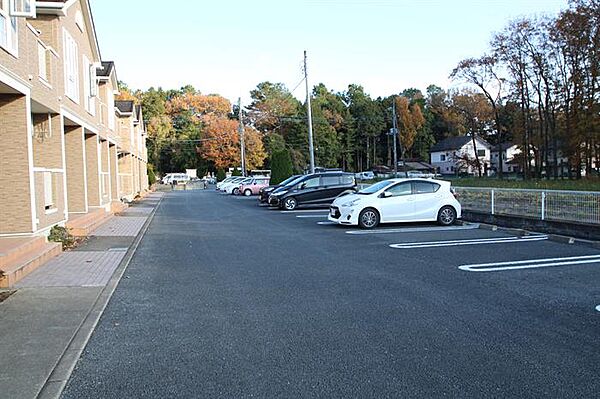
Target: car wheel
x=446, y=216
x=290, y=203
x=248, y=192
x=235, y=191
x=368, y=218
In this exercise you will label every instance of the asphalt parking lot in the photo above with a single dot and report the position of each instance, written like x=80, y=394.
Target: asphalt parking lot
x=272, y=303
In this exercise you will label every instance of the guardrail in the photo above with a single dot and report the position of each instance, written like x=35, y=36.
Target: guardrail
x=564, y=206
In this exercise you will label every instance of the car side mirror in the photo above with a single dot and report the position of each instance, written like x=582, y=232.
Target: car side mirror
x=386, y=194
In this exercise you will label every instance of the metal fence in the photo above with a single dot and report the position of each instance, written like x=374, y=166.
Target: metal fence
x=566, y=206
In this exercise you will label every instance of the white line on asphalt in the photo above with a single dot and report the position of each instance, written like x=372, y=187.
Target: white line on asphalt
x=478, y=241
x=327, y=223
x=531, y=264
x=311, y=216
x=469, y=226
x=306, y=210
x=598, y=308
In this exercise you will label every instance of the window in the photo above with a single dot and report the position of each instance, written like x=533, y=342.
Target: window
x=442, y=157
x=400, y=189
x=42, y=65
x=481, y=153
x=71, y=56
x=89, y=81
x=330, y=180
x=423, y=187
x=347, y=179
x=9, y=34
x=22, y=8
x=48, y=191
x=310, y=183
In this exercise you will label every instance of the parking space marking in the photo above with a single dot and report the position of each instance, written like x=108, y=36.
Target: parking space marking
x=598, y=308
x=326, y=223
x=531, y=264
x=477, y=241
x=306, y=211
x=311, y=216
x=469, y=226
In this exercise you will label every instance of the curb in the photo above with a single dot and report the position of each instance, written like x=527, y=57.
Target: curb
x=551, y=237
x=59, y=376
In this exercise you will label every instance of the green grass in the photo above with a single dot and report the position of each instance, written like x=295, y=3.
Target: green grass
x=591, y=184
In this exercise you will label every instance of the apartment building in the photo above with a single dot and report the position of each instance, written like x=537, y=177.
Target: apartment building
x=62, y=137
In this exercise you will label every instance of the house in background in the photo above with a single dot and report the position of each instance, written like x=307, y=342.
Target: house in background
x=511, y=158
x=456, y=155
x=58, y=131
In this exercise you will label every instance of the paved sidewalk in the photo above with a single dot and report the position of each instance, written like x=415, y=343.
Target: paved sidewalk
x=41, y=324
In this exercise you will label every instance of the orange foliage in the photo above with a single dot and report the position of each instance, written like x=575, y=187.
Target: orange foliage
x=199, y=104
x=221, y=143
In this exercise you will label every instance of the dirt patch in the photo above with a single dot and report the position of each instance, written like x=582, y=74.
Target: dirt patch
x=5, y=294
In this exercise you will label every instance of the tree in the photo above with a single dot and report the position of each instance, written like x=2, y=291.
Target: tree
x=482, y=72
x=281, y=166
x=410, y=120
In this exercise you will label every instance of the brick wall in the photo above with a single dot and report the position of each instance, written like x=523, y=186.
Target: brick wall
x=75, y=168
x=15, y=194
x=91, y=157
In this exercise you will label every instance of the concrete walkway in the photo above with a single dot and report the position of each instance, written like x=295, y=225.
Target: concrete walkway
x=45, y=324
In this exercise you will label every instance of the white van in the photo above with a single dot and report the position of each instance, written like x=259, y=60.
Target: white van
x=178, y=178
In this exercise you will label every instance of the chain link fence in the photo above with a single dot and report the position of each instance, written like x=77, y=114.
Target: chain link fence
x=565, y=206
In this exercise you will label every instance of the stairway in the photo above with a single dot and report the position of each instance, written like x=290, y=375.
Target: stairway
x=20, y=256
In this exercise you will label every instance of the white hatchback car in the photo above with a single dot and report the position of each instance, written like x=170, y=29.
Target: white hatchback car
x=397, y=200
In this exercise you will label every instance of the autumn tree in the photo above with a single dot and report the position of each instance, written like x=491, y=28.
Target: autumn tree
x=410, y=120
x=483, y=73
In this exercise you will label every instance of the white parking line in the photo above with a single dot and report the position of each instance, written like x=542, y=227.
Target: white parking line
x=478, y=241
x=311, y=216
x=327, y=223
x=470, y=226
x=598, y=308
x=531, y=264
x=306, y=210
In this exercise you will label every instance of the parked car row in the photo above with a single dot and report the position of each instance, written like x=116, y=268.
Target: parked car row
x=388, y=201
x=243, y=185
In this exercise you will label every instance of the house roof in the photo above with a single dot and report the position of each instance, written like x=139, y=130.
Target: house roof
x=454, y=143
x=106, y=69
x=418, y=165
x=506, y=145
x=125, y=107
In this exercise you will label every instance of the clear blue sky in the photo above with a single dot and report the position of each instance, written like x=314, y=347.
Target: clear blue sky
x=228, y=47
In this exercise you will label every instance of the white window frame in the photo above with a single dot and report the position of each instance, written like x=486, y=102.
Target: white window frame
x=48, y=191
x=42, y=62
x=9, y=34
x=89, y=80
x=71, y=66
x=22, y=8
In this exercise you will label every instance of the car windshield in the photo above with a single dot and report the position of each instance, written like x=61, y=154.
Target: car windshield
x=375, y=187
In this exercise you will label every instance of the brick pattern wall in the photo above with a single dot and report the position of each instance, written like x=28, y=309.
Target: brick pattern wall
x=75, y=168
x=15, y=195
x=91, y=158
x=47, y=148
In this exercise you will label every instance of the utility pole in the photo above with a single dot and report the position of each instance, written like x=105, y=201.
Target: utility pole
x=309, y=113
x=394, y=136
x=241, y=131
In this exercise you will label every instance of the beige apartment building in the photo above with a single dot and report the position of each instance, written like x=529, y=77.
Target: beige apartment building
x=69, y=156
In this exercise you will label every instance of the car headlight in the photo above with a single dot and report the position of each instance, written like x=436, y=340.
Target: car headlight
x=351, y=203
